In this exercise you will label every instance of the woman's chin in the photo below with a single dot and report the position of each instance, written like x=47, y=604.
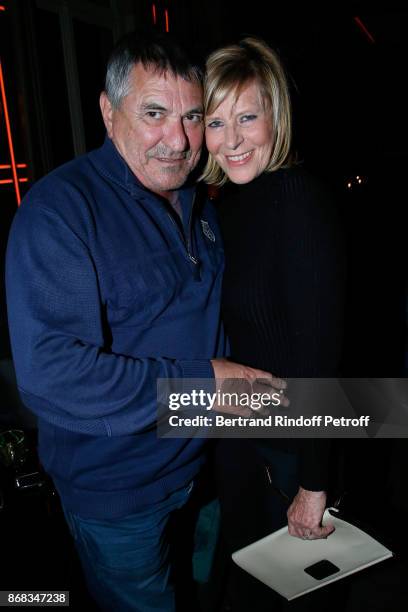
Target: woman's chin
x=241, y=177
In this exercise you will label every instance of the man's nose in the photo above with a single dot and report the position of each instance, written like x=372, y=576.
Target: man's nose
x=233, y=137
x=176, y=137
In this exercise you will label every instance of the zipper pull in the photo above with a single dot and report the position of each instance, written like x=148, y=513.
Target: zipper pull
x=197, y=267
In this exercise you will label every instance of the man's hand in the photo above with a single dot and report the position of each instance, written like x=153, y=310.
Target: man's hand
x=305, y=515
x=235, y=378
x=229, y=369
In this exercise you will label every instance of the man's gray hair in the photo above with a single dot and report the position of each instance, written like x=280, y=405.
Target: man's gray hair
x=155, y=51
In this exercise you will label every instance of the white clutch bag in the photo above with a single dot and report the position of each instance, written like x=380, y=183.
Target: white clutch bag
x=293, y=567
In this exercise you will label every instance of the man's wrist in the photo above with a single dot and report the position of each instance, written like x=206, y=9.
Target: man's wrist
x=201, y=368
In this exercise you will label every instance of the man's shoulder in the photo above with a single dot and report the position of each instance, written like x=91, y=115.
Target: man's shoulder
x=65, y=195
x=63, y=182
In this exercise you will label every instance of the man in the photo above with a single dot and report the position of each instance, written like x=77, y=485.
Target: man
x=113, y=281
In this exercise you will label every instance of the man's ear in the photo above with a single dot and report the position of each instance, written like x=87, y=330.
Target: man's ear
x=107, y=112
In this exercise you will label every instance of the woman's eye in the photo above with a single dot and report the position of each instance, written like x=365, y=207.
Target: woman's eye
x=214, y=124
x=246, y=118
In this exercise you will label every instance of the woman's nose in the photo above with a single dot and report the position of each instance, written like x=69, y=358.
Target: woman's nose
x=233, y=137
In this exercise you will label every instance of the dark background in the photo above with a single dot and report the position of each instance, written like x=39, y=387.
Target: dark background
x=350, y=107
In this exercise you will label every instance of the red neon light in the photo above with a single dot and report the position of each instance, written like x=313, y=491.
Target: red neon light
x=9, y=137
x=364, y=29
x=2, y=8
x=8, y=181
x=154, y=14
x=166, y=14
x=5, y=166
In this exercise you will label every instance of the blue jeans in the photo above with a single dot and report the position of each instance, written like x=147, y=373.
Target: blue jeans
x=126, y=560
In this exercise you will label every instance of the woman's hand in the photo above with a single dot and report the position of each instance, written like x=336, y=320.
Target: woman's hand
x=305, y=515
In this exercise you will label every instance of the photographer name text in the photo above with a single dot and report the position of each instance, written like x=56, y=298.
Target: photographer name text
x=176, y=420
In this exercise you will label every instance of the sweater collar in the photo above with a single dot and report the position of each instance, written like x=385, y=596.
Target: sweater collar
x=111, y=164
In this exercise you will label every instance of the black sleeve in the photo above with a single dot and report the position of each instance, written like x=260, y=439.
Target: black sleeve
x=315, y=280
x=315, y=290
x=314, y=464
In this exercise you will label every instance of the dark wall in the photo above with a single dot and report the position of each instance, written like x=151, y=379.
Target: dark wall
x=349, y=107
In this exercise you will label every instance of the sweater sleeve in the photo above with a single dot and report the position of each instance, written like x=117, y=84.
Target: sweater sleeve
x=64, y=373
x=314, y=457
x=316, y=282
x=315, y=285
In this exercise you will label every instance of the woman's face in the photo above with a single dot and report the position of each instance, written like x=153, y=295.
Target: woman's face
x=239, y=135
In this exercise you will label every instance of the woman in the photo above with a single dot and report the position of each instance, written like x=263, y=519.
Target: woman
x=282, y=296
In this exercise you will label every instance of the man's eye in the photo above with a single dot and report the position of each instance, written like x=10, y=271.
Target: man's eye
x=214, y=124
x=154, y=114
x=194, y=118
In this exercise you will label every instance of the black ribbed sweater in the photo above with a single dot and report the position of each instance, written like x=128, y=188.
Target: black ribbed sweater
x=283, y=288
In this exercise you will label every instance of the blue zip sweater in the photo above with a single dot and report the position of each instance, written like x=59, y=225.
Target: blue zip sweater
x=106, y=294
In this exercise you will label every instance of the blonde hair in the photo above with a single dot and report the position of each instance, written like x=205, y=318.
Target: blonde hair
x=230, y=69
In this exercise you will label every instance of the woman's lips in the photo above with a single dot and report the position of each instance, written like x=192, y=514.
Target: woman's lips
x=239, y=160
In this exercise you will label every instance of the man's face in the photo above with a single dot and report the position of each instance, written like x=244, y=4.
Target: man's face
x=158, y=128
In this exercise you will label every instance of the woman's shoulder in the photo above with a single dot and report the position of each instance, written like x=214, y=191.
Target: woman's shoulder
x=285, y=191
x=302, y=181
x=294, y=180
x=305, y=190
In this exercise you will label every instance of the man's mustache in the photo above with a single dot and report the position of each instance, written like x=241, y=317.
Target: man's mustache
x=167, y=153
